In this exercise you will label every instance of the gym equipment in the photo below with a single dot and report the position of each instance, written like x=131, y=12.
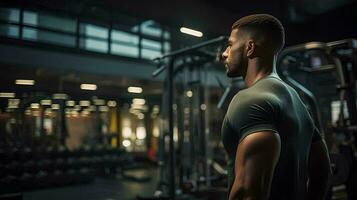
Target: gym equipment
x=191, y=53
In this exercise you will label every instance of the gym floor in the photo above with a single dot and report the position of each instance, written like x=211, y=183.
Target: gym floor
x=108, y=188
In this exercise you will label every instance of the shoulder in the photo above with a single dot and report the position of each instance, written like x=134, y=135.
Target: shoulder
x=249, y=97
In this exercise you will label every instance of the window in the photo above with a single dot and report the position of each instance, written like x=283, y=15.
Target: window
x=145, y=40
x=10, y=14
x=29, y=34
x=124, y=43
x=9, y=30
x=57, y=23
x=30, y=18
x=94, y=31
x=149, y=27
x=94, y=45
x=150, y=49
x=95, y=38
x=149, y=54
x=124, y=37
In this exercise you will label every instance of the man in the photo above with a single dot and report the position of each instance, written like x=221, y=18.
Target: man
x=275, y=151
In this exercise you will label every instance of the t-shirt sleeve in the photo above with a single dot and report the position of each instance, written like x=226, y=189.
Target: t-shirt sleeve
x=316, y=135
x=255, y=114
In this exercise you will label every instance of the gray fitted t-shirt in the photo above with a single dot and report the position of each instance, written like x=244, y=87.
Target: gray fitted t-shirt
x=272, y=105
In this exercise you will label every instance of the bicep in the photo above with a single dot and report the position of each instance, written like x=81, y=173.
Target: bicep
x=256, y=158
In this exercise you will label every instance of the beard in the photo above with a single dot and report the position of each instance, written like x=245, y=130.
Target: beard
x=237, y=66
x=232, y=71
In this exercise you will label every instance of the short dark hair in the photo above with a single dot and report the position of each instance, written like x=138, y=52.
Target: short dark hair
x=268, y=28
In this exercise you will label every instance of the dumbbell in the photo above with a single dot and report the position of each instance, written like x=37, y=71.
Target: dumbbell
x=41, y=179
x=26, y=181
x=63, y=152
x=30, y=167
x=8, y=184
x=14, y=168
x=58, y=178
x=26, y=154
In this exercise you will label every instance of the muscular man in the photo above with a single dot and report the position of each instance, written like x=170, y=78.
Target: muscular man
x=275, y=152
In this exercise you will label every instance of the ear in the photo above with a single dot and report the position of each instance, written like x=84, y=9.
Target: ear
x=250, y=48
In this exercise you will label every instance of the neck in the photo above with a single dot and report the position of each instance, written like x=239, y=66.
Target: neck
x=259, y=68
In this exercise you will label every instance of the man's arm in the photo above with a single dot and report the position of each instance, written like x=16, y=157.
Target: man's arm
x=319, y=171
x=256, y=158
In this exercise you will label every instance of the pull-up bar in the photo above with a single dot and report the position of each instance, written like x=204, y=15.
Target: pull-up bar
x=185, y=51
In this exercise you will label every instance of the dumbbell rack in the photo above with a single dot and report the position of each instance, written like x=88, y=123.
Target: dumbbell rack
x=29, y=169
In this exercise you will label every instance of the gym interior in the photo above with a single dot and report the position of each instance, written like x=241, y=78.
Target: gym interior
x=122, y=100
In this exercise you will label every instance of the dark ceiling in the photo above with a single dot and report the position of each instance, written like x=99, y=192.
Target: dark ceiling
x=304, y=20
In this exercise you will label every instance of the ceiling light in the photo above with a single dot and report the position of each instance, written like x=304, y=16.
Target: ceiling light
x=70, y=103
x=135, y=89
x=126, y=143
x=191, y=32
x=88, y=86
x=103, y=108
x=84, y=103
x=7, y=95
x=24, y=82
x=35, y=106
x=46, y=102
x=55, y=106
x=189, y=93
x=112, y=103
x=138, y=101
x=59, y=96
x=99, y=102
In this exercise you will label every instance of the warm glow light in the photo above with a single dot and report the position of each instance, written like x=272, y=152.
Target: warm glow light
x=156, y=109
x=103, y=108
x=126, y=132
x=135, y=89
x=139, y=101
x=139, y=107
x=35, y=106
x=156, y=131
x=88, y=86
x=7, y=95
x=70, y=103
x=46, y=102
x=126, y=143
x=55, y=106
x=141, y=116
x=191, y=32
x=77, y=107
x=140, y=133
x=203, y=107
x=99, y=102
x=24, y=82
x=59, y=96
x=13, y=103
x=84, y=103
x=189, y=93
x=112, y=103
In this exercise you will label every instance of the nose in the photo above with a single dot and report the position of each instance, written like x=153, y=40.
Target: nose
x=224, y=54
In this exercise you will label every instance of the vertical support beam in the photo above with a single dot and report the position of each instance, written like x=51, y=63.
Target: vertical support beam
x=119, y=125
x=170, y=79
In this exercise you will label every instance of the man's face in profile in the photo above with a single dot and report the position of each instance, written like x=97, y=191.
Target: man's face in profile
x=234, y=61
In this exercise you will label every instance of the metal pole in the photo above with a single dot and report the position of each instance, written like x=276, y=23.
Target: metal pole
x=171, y=129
